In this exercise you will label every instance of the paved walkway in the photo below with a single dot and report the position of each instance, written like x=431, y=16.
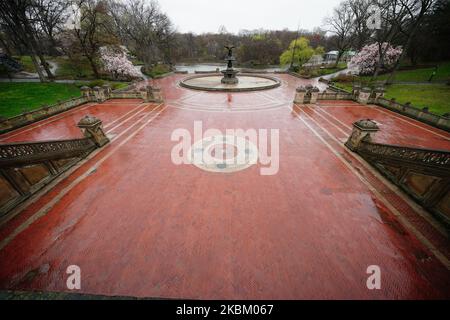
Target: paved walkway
x=139, y=225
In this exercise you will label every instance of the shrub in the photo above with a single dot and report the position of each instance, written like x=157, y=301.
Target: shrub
x=157, y=70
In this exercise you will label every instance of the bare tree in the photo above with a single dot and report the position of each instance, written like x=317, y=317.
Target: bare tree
x=415, y=12
x=15, y=17
x=341, y=24
x=392, y=16
x=93, y=30
x=50, y=17
x=361, y=13
x=145, y=29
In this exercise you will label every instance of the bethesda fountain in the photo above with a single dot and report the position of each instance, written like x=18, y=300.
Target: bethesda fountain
x=229, y=75
x=231, y=79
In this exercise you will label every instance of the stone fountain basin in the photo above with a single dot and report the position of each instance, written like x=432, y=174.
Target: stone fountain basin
x=247, y=82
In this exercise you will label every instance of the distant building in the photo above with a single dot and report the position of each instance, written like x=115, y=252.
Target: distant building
x=331, y=56
x=315, y=60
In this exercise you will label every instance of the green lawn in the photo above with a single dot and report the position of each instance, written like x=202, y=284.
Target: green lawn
x=420, y=75
x=18, y=97
x=434, y=96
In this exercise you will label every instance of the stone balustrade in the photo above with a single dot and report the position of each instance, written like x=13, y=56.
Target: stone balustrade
x=27, y=167
x=96, y=94
x=310, y=95
x=424, y=174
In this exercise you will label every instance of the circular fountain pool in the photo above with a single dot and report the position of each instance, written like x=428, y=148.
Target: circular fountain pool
x=247, y=82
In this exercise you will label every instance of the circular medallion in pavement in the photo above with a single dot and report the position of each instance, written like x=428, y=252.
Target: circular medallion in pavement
x=223, y=154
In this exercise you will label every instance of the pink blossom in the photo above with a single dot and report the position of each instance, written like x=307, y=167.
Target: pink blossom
x=116, y=62
x=367, y=59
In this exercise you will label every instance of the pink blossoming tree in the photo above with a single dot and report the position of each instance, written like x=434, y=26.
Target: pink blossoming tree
x=367, y=59
x=116, y=62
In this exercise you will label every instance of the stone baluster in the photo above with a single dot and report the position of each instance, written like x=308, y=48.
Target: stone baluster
x=363, y=130
x=356, y=90
x=364, y=95
x=97, y=94
x=144, y=94
x=92, y=129
x=314, y=95
x=379, y=92
x=107, y=91
x=87, y=92
x=154, y=94
x=300, y=94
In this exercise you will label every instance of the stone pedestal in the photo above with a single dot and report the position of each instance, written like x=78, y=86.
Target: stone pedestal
x=92, y=128
x=300, y=94
x=356, y=90
x=99, y=94
x=379, y=92
x=364, y=96
x=314, y=95
x=144, y=94
x=363, y=130
x=154, y=94
x=86, y=92
x=107, y=91
x=229, y=76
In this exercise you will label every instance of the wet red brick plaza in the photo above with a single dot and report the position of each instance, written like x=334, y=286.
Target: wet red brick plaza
x=139, y=225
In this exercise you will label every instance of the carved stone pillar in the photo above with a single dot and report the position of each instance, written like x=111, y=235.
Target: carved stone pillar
x=356, y=90
x=154, y=94
x=144, y=94
x=98, y=94
x=314, y=95
x=107, y=91
x=364, y=96
x=300, y=94
x=363, y=130
x=87, y=92
x=379, y=92
x=92, y=128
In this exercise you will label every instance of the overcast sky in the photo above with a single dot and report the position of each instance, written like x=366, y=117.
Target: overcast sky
x=200, y=16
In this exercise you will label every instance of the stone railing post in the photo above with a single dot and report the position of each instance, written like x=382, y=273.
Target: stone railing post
x=98, y=94
x=87, y=92
x=356, y=90
x=92, y=129
x=300, y=94
x=144, y=94
x=314, y=95
x=107, y=91
x=363, y=130
x=364, y=95
x=154, y=94
x=379, y=92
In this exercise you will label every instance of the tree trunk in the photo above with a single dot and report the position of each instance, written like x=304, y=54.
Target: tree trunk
x=36, y=48
x=340, y=54
x=93, y=66
x=35, y=61
x=46, y=67
x=6, y=47
x=405, y=49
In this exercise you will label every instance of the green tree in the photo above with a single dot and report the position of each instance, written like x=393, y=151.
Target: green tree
x=298, y=53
